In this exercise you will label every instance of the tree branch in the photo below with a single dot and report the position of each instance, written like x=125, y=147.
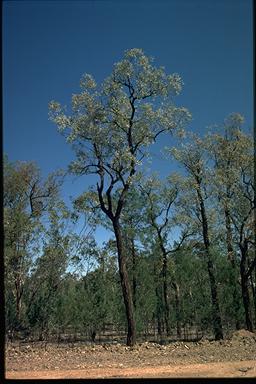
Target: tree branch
x=251, y=267
x=184, y=237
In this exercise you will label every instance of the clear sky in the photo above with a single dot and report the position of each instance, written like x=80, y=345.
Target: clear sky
x=48, y=45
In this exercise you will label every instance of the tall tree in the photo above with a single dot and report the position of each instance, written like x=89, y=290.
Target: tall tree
x=231, y=151
x=110, y=129
x=192, y=157
x=159, y=198
x=243, y=219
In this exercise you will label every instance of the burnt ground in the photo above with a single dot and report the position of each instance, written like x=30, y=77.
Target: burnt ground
x=235, y=357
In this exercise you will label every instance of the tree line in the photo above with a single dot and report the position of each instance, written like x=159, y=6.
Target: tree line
x=141, y=279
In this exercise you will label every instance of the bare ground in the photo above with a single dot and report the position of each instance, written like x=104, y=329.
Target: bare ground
x=229, y=358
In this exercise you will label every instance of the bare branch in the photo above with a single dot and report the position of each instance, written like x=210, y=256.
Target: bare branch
x=185, y=235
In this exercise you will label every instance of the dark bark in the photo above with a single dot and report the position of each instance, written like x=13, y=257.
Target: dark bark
x=165, y=295
x=159, y=313
x=158, y=302
x=234, y=273
x=18, y=295
x=254, y=297
x=107, y=208
x=125, y=284
x=18, y=298
x=245, y=286
x=236, y=296
x=134, y=273
x=178, y=309
x=217, y=323
x=229, y=243
x=166, y=308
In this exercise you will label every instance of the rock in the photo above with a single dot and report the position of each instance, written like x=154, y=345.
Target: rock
x=245, y=369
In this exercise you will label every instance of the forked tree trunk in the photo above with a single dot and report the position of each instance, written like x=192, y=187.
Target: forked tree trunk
x=126, y=288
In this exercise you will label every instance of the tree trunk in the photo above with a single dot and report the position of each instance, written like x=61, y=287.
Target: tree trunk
x=159, y=323
x=244, y=287
x=178, y=309
x=158, y=308
x=234, y=273
x=18, y=296
x=165, y=302
x=134, y=273
x=254, y=297
x=217, y=324
x=230, y=249
x=126, y=289
x=165, y=295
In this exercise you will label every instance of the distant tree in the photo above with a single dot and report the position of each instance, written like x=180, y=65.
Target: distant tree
x=158, y=203
x=26, y=198
x=49, y=269
x=159, y=215
x=232, y=183
x=90, y=301
x=243, y=219
x=111, y=128
x=194, y=297
x=192, y=157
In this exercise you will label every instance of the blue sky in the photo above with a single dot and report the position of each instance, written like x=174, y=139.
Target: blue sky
x=48, y=45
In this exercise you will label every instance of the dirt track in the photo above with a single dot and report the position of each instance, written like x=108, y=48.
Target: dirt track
x=230, y=369
x=229, y=358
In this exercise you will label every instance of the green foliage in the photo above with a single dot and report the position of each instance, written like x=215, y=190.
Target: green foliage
x=111, y=125
x=58, y=279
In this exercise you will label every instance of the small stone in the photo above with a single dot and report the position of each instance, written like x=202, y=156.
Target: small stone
x=245, y=369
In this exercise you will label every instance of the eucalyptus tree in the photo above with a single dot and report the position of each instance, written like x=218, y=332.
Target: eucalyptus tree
x=110, y=128
x=132, y=223
x=192, y=157
x=130, y=220
x=49, y=268
x=232, y=152
x=243, y=220
x=225, y=149
x=159, y=199
x=26, y=198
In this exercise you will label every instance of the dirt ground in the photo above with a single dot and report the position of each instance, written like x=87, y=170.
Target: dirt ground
x=235, y=357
